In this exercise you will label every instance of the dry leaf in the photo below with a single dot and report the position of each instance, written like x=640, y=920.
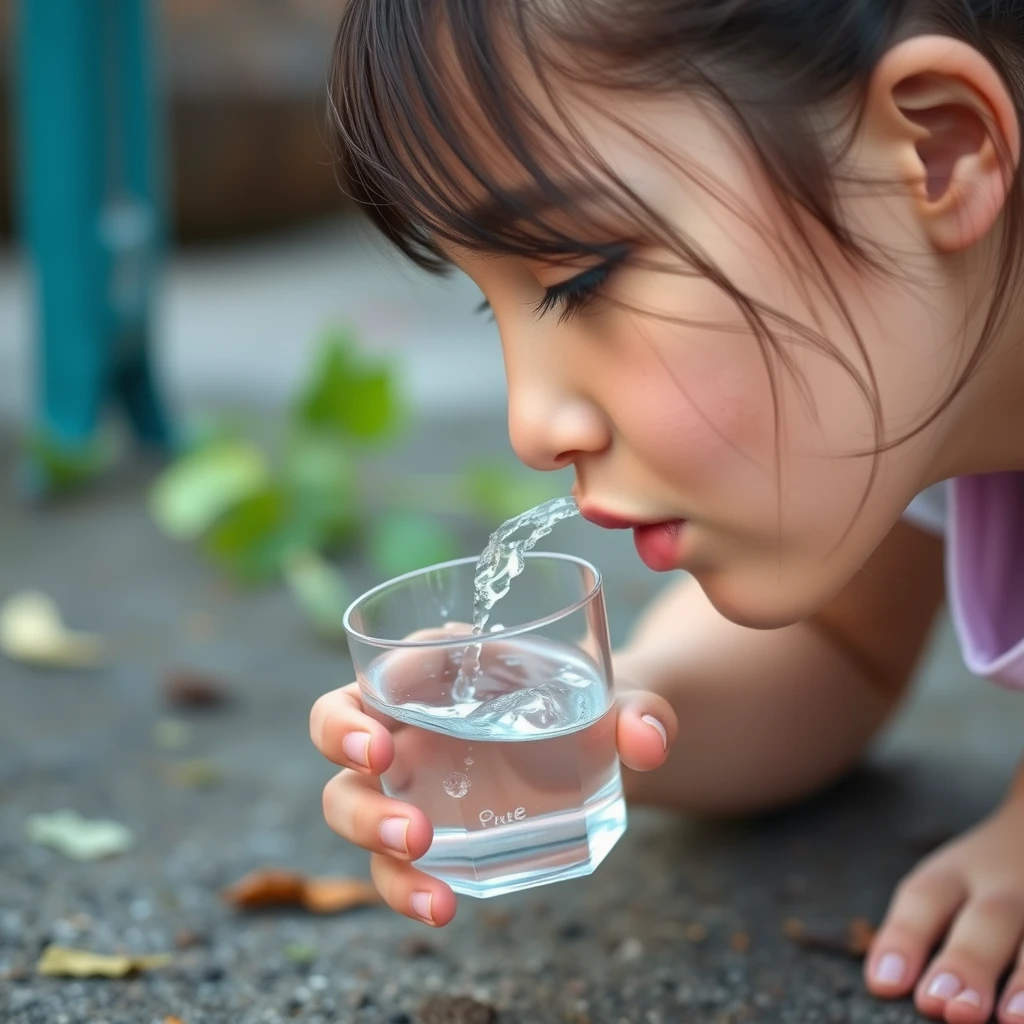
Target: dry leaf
x=287, y=888
x=852, y=941
x=456, y=1010
x=173, y=1020
x=64, y=962
x=78, y=838
x=187, y=689
x=31, y=631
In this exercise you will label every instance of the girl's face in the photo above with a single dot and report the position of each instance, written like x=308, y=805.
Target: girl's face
x=661, y=397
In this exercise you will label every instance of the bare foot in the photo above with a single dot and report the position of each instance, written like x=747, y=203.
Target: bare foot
x=968, y=896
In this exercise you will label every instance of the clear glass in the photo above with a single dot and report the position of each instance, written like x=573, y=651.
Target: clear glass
x=522, y=784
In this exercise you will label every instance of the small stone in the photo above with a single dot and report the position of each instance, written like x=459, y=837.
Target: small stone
x=762, y=1000
x=360, y=1000
x=573, y=930
x=316, y=982
x=185, y=688
x=696, y=932
x=213, y=973
x=414, y=947
x=399, y=1018
x=576, y=986
x=740, y=942
x=302, y=995
x=631, y=949
x=141, y=910
x=186, y=939
x=496, y=919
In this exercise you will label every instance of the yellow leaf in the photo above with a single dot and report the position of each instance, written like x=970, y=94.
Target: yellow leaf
x=31, y=631
x=64, y=962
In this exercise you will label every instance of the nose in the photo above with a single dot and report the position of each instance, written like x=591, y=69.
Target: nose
x=550, y=430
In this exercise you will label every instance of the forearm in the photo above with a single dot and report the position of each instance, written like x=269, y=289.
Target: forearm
x=765, y=718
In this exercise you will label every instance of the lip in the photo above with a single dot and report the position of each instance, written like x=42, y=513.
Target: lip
x=610, y=521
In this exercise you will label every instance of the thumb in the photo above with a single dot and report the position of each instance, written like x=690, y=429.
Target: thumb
x=647, y=727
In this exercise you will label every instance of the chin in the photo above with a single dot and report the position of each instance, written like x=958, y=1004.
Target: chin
x=751, y=603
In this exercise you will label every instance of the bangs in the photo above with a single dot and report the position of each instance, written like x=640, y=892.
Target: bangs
x=439, y=141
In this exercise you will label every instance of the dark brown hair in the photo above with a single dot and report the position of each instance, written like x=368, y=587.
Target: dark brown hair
x=420, y=157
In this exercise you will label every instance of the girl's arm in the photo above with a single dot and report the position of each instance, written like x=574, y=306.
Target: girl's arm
x=768, y=717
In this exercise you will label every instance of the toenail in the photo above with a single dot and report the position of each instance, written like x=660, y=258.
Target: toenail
x=945, y=986
x=890, y=969
x=1016, y=1006
x=968, y=996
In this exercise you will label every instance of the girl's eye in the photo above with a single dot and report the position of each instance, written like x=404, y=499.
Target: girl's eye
x=574, y=294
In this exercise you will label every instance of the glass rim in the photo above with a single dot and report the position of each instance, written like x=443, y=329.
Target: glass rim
x=483, y=638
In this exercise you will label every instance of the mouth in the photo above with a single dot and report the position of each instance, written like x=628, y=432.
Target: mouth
x=658, y=543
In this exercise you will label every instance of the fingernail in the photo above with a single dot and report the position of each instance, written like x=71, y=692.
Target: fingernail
x=1016, y=1007
x=357, y=746
x=945, y=986
x=969, y=996
x=652, y=721
x=393, y=832
x=890, y=969
x=421, y=905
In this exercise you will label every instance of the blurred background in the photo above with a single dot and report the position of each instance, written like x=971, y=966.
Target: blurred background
x=225, y=409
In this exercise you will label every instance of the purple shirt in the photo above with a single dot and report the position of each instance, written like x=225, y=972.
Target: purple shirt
x=984, y=525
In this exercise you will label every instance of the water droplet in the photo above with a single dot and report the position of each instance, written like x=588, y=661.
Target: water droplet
x=468, y=761
x=457, y=785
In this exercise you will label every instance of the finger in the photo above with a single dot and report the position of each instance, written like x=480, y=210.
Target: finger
x=647, y=728
x=982, y=943
x=355, y=808
x=413, y=893
x=346, y=735
x=920, y=913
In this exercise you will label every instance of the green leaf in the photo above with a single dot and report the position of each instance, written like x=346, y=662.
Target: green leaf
x=319, y=589
x=348, y=394
x=199, y=488
x=400, y=542
x=255, y=539
x=321, y=476
x=498, y=494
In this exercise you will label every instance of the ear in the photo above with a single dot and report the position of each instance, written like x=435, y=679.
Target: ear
x=954, y=127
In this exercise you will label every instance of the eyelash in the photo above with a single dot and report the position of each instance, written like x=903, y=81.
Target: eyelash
x=574, y=294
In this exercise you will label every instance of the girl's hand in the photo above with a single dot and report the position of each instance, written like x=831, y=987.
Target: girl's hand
x=967, y=899
x=396, y=833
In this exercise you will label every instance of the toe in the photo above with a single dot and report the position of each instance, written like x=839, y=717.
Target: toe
x=960, y=983
x=920, y=912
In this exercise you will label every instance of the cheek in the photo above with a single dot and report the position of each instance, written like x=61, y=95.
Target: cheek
x=704, y=404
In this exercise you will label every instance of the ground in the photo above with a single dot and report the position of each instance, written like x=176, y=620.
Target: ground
x=683, y=922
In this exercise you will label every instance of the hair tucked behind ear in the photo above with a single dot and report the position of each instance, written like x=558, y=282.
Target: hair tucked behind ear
x=411, y=152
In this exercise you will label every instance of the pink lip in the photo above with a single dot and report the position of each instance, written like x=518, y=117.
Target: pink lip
x=657, y=543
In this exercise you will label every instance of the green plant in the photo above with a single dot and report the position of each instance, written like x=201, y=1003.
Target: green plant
x=262, y=517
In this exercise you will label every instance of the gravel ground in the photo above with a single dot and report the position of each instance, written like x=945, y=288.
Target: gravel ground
x=683, y=922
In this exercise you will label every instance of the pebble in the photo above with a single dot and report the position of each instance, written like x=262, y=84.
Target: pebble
x=631, y=949
x=316, y=982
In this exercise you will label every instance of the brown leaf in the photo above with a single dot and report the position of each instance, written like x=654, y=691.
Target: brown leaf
x=455, y=1010
x=332, y=895
x=188, y=689
x=173, y=1020
x=275, y=888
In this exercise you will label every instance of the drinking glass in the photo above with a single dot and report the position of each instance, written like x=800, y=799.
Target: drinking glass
x=521, y=781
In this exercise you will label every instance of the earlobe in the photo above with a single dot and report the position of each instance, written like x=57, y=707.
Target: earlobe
x=955, y=129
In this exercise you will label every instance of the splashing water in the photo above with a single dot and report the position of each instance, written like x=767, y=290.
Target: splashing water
x=501, y=562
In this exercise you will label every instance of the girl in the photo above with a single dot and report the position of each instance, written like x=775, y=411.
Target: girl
x=756, y=266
